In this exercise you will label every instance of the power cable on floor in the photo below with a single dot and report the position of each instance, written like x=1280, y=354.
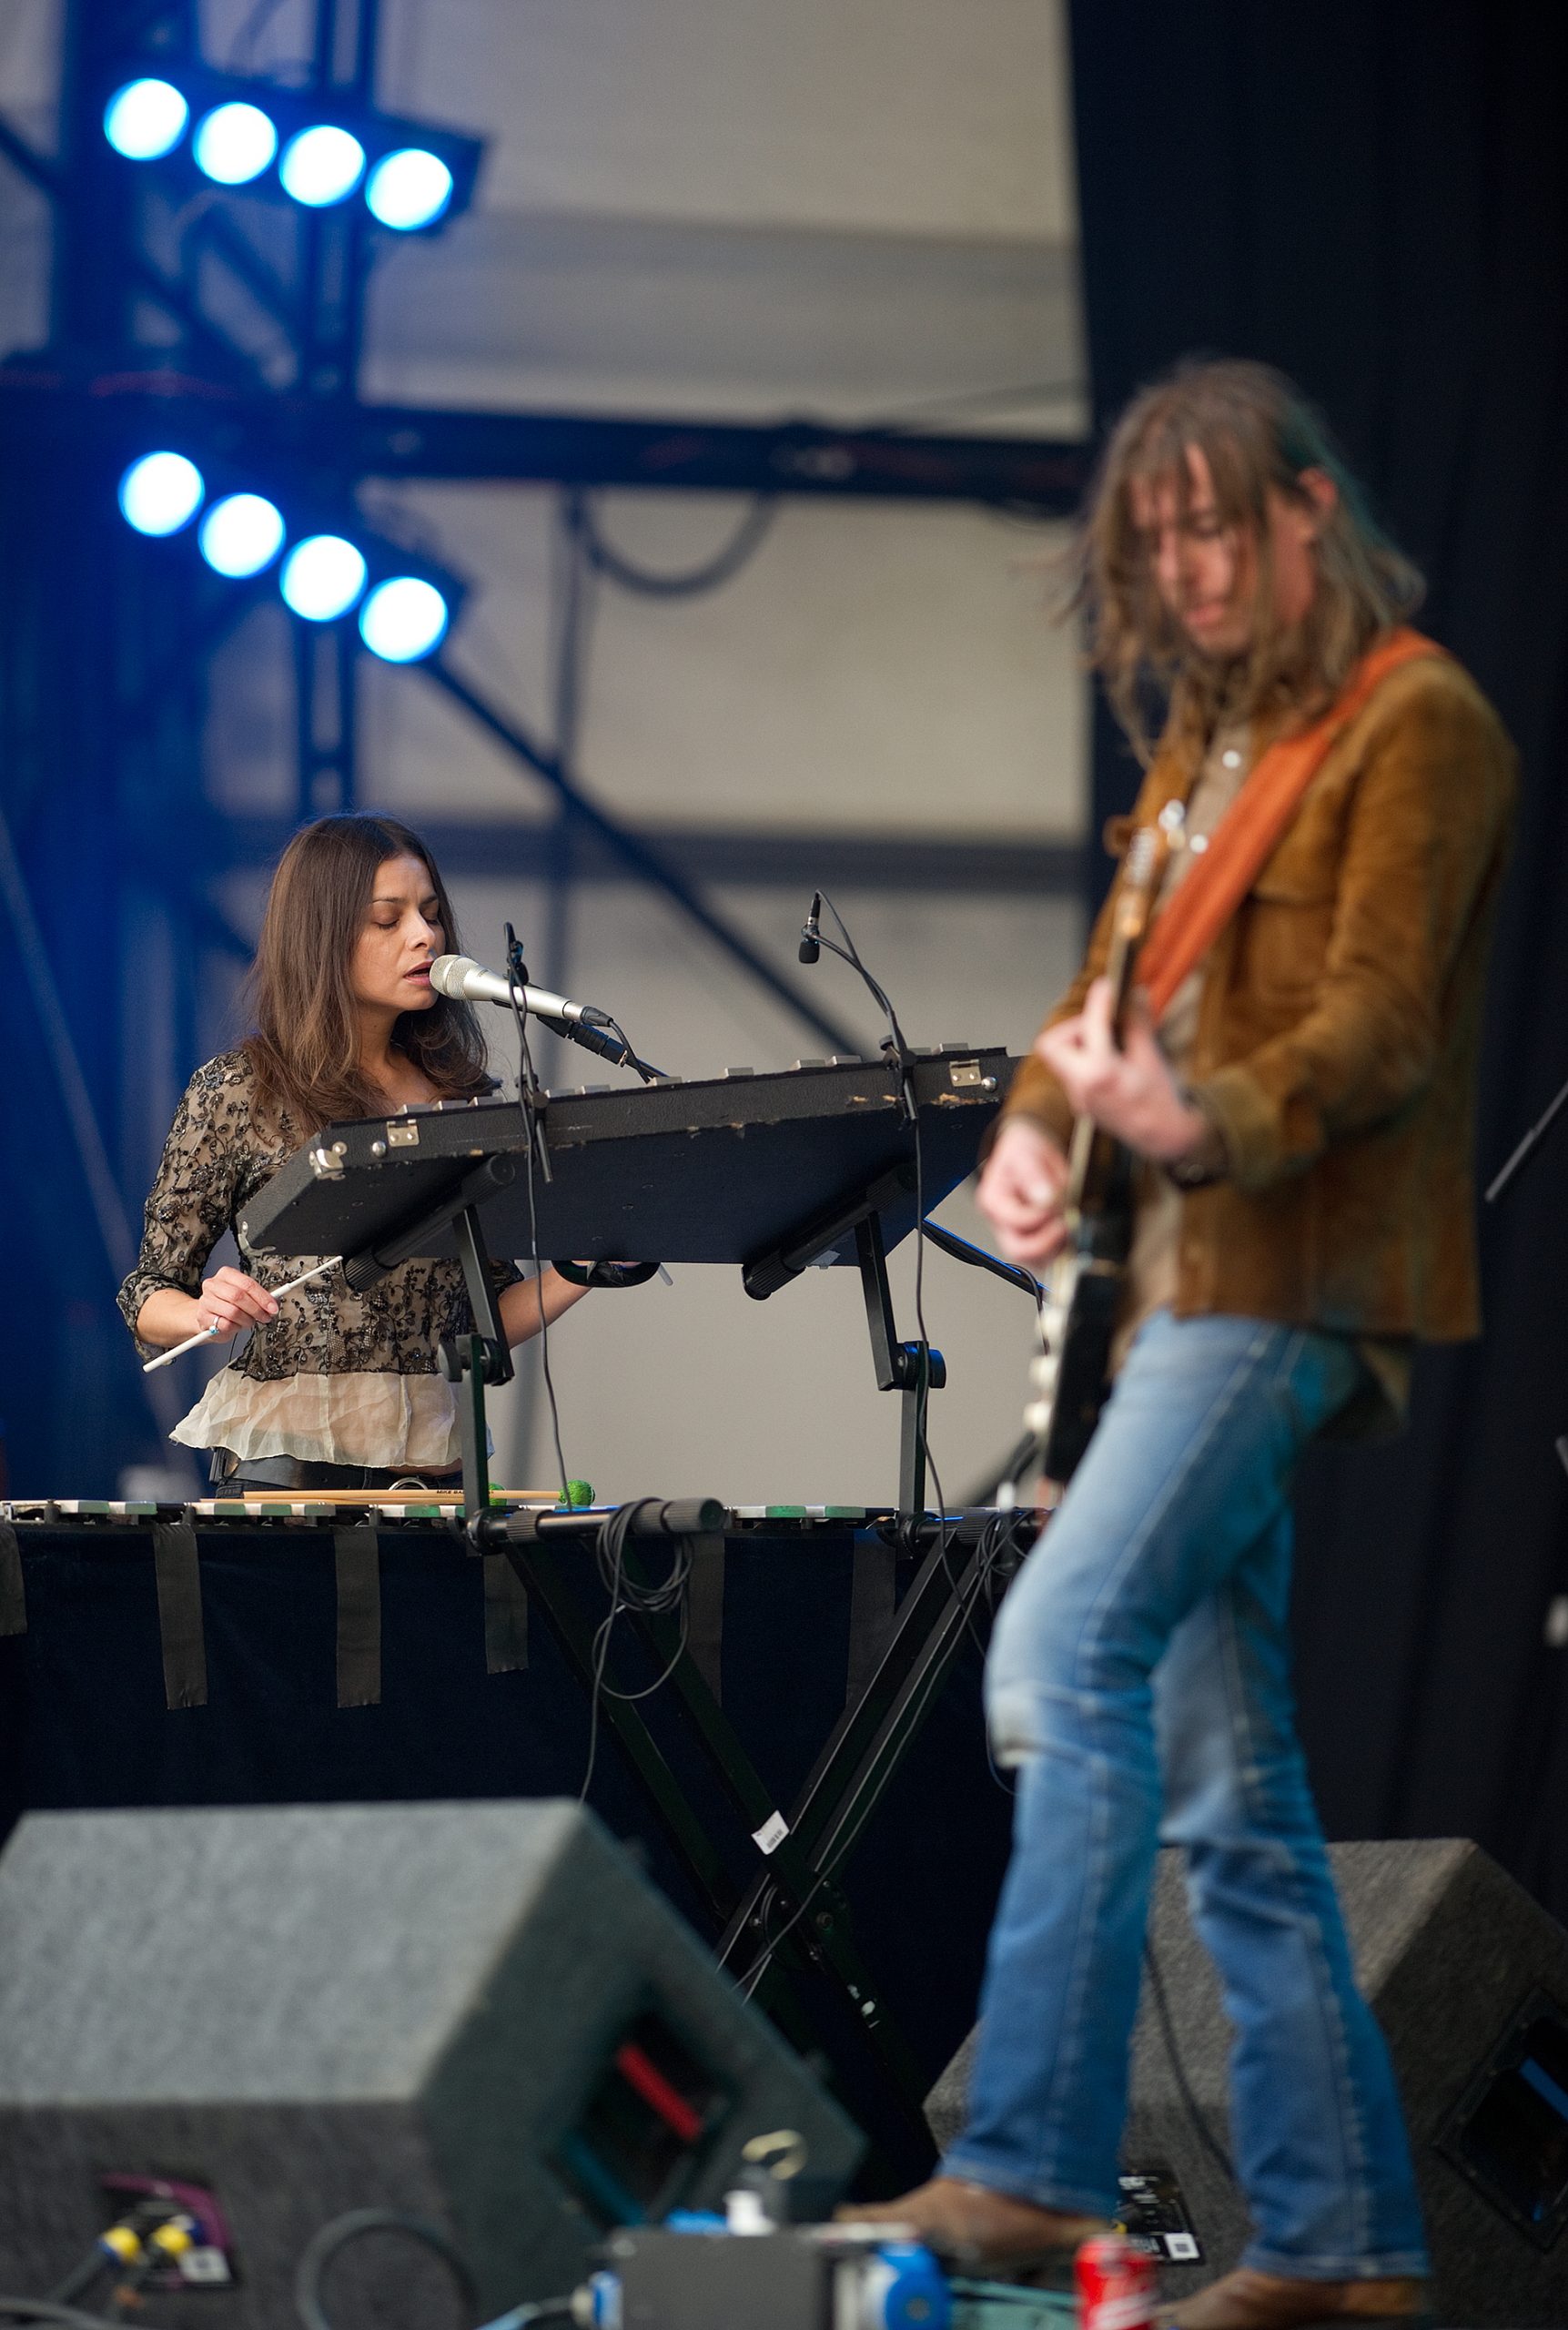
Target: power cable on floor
x=1200, y=2128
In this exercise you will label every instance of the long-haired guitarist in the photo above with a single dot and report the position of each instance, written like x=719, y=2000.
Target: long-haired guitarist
x=1296, y=1094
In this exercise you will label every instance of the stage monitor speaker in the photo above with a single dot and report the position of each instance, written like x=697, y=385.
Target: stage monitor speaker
x=481, y=2014
x=1469, y=1979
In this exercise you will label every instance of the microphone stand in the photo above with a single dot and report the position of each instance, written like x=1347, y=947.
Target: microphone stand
x=914, y=1369
x=1527, y=1147
x=899, y=1058
x=615, y=1046
x=1510, y=1171
x=529, y=1094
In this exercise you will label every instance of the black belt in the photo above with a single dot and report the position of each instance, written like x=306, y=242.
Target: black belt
x=305, y=1472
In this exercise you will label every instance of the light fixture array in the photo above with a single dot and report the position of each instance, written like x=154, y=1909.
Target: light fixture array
x=323, y=576
x=296, y=143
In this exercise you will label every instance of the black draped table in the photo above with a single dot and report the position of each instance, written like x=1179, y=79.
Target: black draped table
x=153, y=1657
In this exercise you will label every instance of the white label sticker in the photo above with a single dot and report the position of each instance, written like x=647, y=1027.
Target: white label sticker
x=772, y=1834
x=204, y=2265
x=1180, y=2244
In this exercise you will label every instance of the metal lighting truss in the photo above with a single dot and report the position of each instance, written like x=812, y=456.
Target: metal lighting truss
x=234, y=321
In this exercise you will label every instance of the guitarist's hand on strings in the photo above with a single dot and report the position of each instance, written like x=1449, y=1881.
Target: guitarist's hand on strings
x=1129, y=1090
x=1020, y=1192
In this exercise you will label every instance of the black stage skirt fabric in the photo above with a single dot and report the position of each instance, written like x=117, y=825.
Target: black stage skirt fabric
x=85, y=1718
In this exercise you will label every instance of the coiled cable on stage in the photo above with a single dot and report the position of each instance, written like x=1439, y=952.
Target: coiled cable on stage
x=667, y=1595
x=355, y=2225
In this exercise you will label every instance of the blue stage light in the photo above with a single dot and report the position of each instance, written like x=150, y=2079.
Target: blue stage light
x=145, y=119
x=322, y=577
x=403, y=619
x=322, y=166
x=408, y=189
x=240, y=534
x=234, y=143
x=161, y=492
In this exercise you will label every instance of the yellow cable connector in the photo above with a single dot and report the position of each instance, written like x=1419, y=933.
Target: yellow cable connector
x=173, y=2239
x=121, y=2243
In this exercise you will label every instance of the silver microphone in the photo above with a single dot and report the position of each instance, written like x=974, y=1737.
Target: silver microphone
x=466, y=981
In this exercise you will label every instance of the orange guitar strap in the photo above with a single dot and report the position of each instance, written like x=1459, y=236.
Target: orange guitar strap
x=1255, y=821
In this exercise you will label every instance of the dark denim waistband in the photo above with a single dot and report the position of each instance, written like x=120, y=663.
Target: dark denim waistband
x=305, y=1472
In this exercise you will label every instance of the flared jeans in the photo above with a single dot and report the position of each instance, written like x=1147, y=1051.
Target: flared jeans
x=1139, y=1683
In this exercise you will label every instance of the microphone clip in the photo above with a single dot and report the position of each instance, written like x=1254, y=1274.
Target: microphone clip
x=902, y=1066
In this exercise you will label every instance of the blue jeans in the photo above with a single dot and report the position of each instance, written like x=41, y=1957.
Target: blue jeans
x=1138, y=1680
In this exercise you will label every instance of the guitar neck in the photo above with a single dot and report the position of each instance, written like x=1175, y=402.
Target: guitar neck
x=1090, y=1152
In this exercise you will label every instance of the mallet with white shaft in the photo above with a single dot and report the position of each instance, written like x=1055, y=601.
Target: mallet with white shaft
x=206, y=1334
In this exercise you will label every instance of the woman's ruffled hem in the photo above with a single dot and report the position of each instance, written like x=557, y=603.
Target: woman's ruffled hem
x=392, y=1422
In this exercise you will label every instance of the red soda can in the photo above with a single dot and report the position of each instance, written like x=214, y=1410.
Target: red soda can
x=1116, y=2284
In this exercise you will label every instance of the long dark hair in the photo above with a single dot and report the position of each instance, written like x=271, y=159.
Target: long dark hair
x=305, y=1046
x=1258, y=433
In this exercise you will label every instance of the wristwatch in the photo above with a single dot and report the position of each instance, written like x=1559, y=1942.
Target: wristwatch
x=1207, y=1161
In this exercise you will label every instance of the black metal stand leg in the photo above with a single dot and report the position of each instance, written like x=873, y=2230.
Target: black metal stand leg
x=825, y=1949
x=912, y=1370
x=911, y=1432
x=792, y=1900
x=815, y=1913
x=875, y=1735
x=473, y=1429
x=471, y=1362
x=792, y=1921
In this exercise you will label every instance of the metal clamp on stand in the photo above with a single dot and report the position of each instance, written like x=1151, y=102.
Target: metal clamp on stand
x=678, y=1516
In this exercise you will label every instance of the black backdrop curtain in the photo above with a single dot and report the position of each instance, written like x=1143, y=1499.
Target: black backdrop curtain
x=1373, y=194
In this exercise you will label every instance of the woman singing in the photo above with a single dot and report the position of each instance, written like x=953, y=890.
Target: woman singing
x=333, y=1390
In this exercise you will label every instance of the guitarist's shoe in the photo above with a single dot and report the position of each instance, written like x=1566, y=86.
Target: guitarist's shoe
x=1250, y=2301
x=980, y=2231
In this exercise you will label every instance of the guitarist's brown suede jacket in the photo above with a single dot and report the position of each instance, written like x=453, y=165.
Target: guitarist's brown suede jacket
x=1338, y=1028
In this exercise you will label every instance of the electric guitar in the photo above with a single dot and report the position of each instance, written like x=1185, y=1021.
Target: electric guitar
x=1070, y=1378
